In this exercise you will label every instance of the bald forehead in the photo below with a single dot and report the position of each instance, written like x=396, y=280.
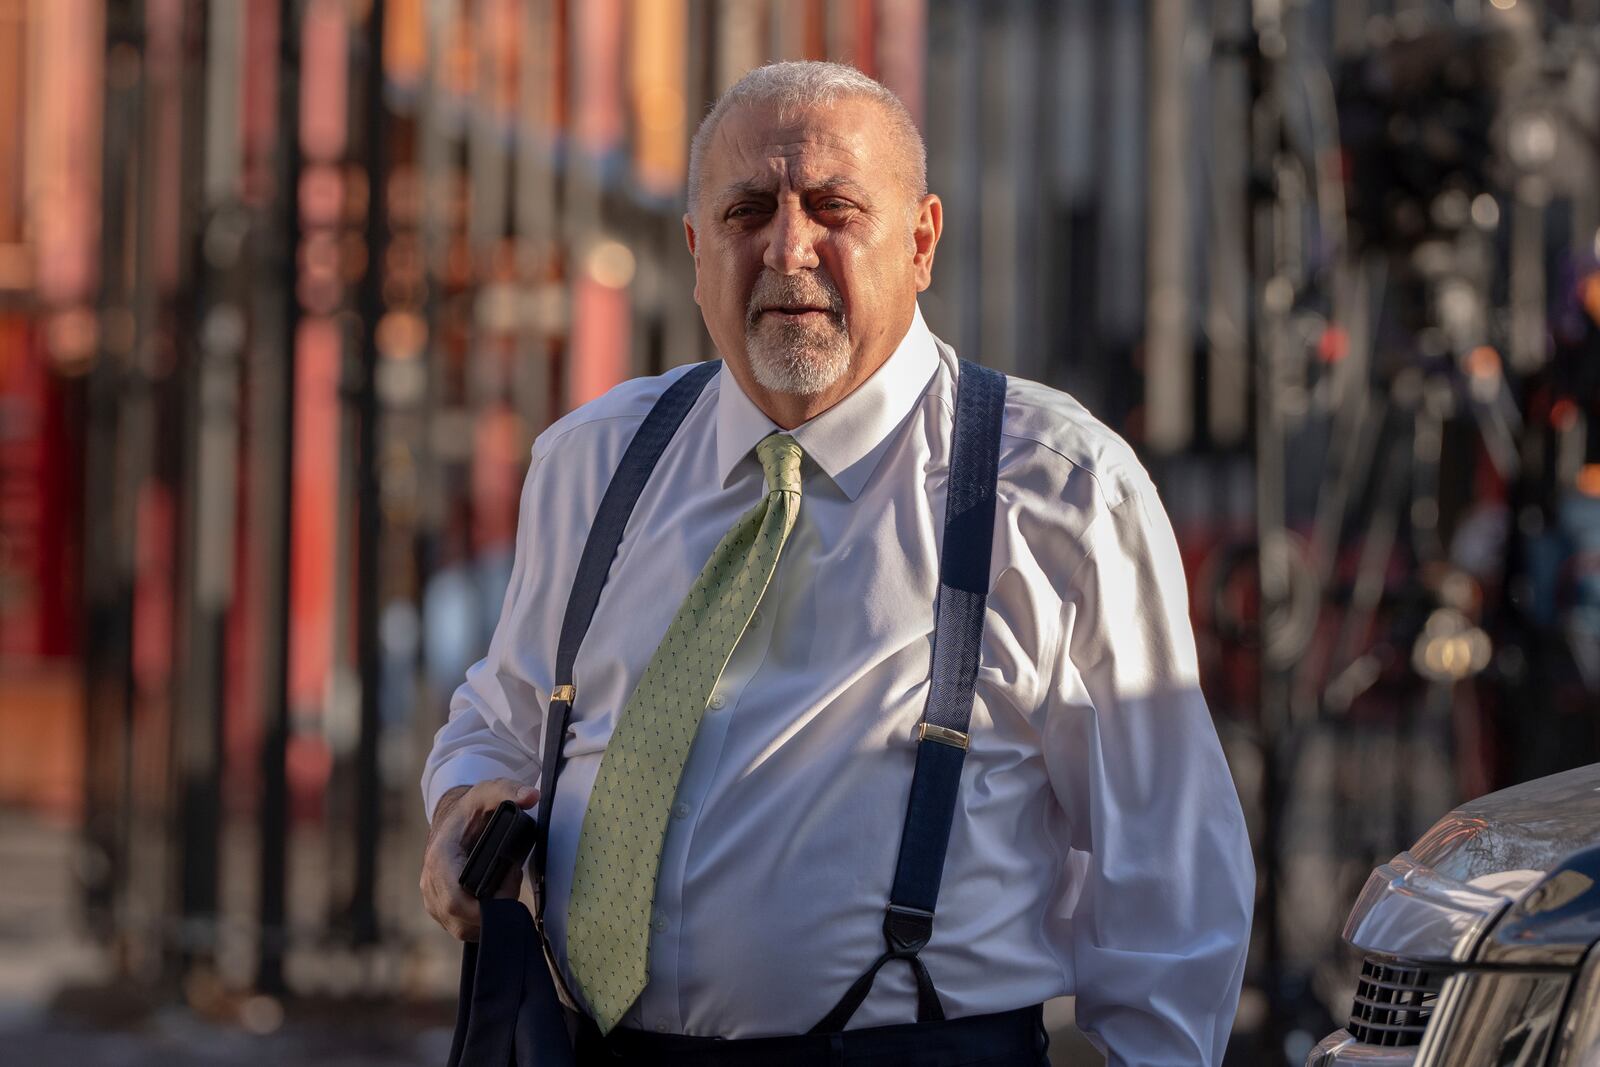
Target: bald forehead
x=805, y=147
x=758, y=137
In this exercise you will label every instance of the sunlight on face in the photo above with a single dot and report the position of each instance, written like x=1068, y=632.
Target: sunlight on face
x=804, y=259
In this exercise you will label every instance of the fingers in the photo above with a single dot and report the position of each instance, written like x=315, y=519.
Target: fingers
x=488, y=795
x=481, y=800
x=455, y=910
x=454, y=829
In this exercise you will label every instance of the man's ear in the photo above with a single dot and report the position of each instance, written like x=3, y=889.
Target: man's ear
x=927, y=227
x=694, y=251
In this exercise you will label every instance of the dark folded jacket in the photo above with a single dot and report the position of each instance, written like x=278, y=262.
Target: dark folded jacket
x=509, y=1014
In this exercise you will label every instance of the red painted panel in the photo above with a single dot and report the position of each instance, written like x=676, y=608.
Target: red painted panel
x=315, y=521
x=599, y=100
x=598, y=358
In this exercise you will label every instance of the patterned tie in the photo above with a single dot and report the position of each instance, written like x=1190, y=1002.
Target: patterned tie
x=619, y=849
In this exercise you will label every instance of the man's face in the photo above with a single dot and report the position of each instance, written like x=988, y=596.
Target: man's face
x=809, y=248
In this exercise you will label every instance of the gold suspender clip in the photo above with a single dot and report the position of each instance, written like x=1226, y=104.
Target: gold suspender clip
x=944, y=735
x=564, y=693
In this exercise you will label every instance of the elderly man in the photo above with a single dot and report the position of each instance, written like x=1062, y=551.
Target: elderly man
x=751, y=704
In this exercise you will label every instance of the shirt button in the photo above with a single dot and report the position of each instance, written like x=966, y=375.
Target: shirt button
x=661, y=1028
x=717, y=701
x=680, y=810
x=659, y=924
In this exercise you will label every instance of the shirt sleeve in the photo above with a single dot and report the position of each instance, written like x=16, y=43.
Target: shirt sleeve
x=1160, y=925
x=497, y=713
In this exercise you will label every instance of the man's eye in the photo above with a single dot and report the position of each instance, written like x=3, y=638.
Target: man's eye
x=743, y=211
x=833, y=203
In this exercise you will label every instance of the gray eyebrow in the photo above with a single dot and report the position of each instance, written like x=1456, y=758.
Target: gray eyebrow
x=757, y=187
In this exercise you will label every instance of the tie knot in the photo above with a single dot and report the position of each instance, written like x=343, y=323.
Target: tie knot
x=780, y=459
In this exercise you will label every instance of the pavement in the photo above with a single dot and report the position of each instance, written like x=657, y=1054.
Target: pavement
x=65, y=1001
x=177, y=1037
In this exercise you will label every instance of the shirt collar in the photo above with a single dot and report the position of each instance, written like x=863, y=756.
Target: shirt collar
x=848, y=439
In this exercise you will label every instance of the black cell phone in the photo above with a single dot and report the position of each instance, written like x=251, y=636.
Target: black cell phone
x=504, y=843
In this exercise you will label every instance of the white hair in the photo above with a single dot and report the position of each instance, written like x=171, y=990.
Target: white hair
x=795, y=86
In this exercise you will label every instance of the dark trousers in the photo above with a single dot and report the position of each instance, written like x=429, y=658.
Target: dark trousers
x=1007, y=1039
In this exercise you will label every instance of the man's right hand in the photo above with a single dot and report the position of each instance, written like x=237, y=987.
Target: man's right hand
x=458, y=819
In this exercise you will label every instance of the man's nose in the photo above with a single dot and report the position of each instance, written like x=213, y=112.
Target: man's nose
x=793, y=244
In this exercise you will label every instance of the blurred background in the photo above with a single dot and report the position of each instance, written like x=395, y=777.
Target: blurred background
x=287, y=287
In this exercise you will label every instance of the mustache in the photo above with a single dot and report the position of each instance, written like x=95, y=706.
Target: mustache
x=779, y=290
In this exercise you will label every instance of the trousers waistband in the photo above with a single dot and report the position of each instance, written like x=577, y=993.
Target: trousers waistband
x=940, y=1044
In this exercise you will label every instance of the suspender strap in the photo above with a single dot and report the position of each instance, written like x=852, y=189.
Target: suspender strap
x=942, y=735
x=610, y=520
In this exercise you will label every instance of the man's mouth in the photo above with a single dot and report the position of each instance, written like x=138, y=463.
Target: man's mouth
x=796, y=311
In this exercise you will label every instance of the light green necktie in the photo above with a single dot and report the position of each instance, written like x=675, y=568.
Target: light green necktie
x=619, y=849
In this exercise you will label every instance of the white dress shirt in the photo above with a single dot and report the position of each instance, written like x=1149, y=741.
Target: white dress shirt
x=1098, y=847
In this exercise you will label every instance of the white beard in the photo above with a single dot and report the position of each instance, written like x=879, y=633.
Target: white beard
x=797, y=361
x=796, y=358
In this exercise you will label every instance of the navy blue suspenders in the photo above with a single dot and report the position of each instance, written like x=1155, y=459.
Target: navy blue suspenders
x=942, y=733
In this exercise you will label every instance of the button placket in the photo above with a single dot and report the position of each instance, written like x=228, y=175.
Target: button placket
x=663, y=990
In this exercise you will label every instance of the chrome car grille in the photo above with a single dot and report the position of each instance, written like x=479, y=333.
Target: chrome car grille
x=1393, y=1001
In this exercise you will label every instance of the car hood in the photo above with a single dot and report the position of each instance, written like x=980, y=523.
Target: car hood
x=1528, y=827
x=1435, y=900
